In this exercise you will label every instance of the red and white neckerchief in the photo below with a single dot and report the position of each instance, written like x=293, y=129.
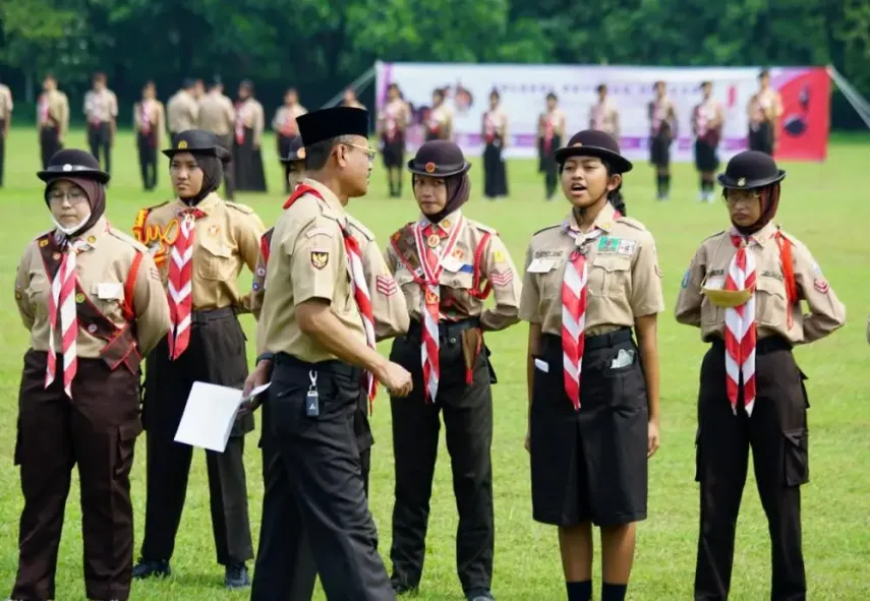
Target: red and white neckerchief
x=363, y=299
x=489, y=127
x=96, y=108
x=549, y=132
x=657, y=115
x=146, y=117
x=240, y=124
x=740, y=330
x=180, y=282
x=42, y=108
x=434, y=121
x=574, y=293
x=288, y=127
x=702, y=119
x=390, y=117
x=62, y=301
x=428, y=237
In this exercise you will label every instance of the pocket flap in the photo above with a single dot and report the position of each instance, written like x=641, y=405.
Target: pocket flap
x=798, y=437
x=770, y=286
x=612, y=262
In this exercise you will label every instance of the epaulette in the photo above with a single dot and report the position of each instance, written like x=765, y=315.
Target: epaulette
x=239, y=207
x=128, y=239
x=549, y=227
x=356, y=224
x=483, y=228
x=633, y=223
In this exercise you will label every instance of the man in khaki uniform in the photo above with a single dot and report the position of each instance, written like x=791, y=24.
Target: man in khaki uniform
x=313, y=321
x=101, y=112
x=206, y=344
x=391, y=320
x=149, y=119
x=217, y=115
x=182, y=110
x=91, y=420
x=5, y=121
x=52, y=118
x=603, y=115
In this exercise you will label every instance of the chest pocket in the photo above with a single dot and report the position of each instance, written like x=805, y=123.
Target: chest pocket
x=108, y=298
x=610, y=275
x=216, y=259
x=771, y=308
x=550, y=281
x=461, y=281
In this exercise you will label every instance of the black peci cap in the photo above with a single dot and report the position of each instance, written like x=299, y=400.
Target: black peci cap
x=439, y=158
x=295, y=151
x=595, y=143
x=72, y=162
x=197, y=141
x=750, y=169
x=331, y=123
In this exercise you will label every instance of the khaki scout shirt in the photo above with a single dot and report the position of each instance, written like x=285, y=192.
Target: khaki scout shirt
x=457, y=277
x=5, y=102
x=624, y=278
x=250, y=113
x=52, y=110
x=225, y=240
x=308, y=261
x=284, y=121
x=216, y=114
x=102, y=274
x=101, y=107
x=605, y=117
x=156, y=116
x=496, y=122
x=182, y=112
x=709, y=268
x=388, y=305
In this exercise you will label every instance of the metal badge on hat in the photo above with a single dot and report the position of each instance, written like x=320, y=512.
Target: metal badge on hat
x=182, y=144
x=430, y=167
x=741, y=182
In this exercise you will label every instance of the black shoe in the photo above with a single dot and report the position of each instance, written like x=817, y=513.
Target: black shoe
x=481, y=595
x=237, y=576
x=147, y=568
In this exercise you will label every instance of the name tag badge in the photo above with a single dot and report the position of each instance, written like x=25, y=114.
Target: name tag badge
x=109, y=291
x=715, y=283
x=541, y=266
x=451, y=263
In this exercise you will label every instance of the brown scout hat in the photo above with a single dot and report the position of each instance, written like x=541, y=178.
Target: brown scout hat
x=750, y=169
x=439, y=158
x=594, y=143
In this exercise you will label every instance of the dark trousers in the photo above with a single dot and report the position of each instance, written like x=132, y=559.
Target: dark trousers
x=2, y=150
x=97, y=431
x=547, y=164
x=324, y=489
x=278, y=577
x=49, y=144
x=227, y=142
x=777, y=434
x=216, y=355
x=147, y=159
x=100, y=141
x=761, y=138
x=467, y=411
x=494, y=171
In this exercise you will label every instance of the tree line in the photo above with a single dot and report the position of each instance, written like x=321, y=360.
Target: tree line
x=320, y=47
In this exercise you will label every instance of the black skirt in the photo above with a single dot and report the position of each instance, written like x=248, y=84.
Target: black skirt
x=394, y=152
x=590, y=465
x=706, y=157
x=248, y=165
x=494, y=171
x=547, y=160
x=761, y=138
x=660, y=150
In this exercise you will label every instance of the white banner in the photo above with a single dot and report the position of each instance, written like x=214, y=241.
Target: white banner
x=523, y=90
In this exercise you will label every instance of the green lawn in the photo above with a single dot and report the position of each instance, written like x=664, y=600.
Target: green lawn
x=823, y=205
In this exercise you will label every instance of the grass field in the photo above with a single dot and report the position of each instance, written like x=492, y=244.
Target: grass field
x=822, y=205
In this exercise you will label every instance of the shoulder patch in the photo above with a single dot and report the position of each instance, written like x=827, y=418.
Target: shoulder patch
x=549, y=227
x=118, y=234
x=239, y=207
x=357, y=226
x=633, y=223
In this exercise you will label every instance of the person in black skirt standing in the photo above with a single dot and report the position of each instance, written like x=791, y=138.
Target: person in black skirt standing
x=707, y=120
x=393, y=122
x=495, y=137
x=247, y=157
x=593, y=393
x=551, y=131
x=744, y=289
x=663, y=131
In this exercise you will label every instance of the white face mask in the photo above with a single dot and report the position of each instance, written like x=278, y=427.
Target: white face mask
x=69, y=231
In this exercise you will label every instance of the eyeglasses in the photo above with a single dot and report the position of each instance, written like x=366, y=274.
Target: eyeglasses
x=735, y=197
x=372, y=153
x=75, y=196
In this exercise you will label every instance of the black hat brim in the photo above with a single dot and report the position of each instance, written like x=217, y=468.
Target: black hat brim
x=728, y=182
x=617, y=162
x=416, y=169
x=57, y=172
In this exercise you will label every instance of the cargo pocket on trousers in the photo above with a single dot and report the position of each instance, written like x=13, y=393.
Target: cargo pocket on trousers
x=796, y=454
x=125, y=445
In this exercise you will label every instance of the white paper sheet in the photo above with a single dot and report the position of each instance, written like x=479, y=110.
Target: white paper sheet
x=209, y=415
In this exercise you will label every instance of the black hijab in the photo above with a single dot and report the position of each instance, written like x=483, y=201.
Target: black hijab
x=96, y=194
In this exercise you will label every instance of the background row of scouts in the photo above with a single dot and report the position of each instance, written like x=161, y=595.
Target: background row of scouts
x=240, y=127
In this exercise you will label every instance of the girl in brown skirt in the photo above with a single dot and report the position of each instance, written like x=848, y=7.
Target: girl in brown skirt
x=90, y=297
x=590, y=283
